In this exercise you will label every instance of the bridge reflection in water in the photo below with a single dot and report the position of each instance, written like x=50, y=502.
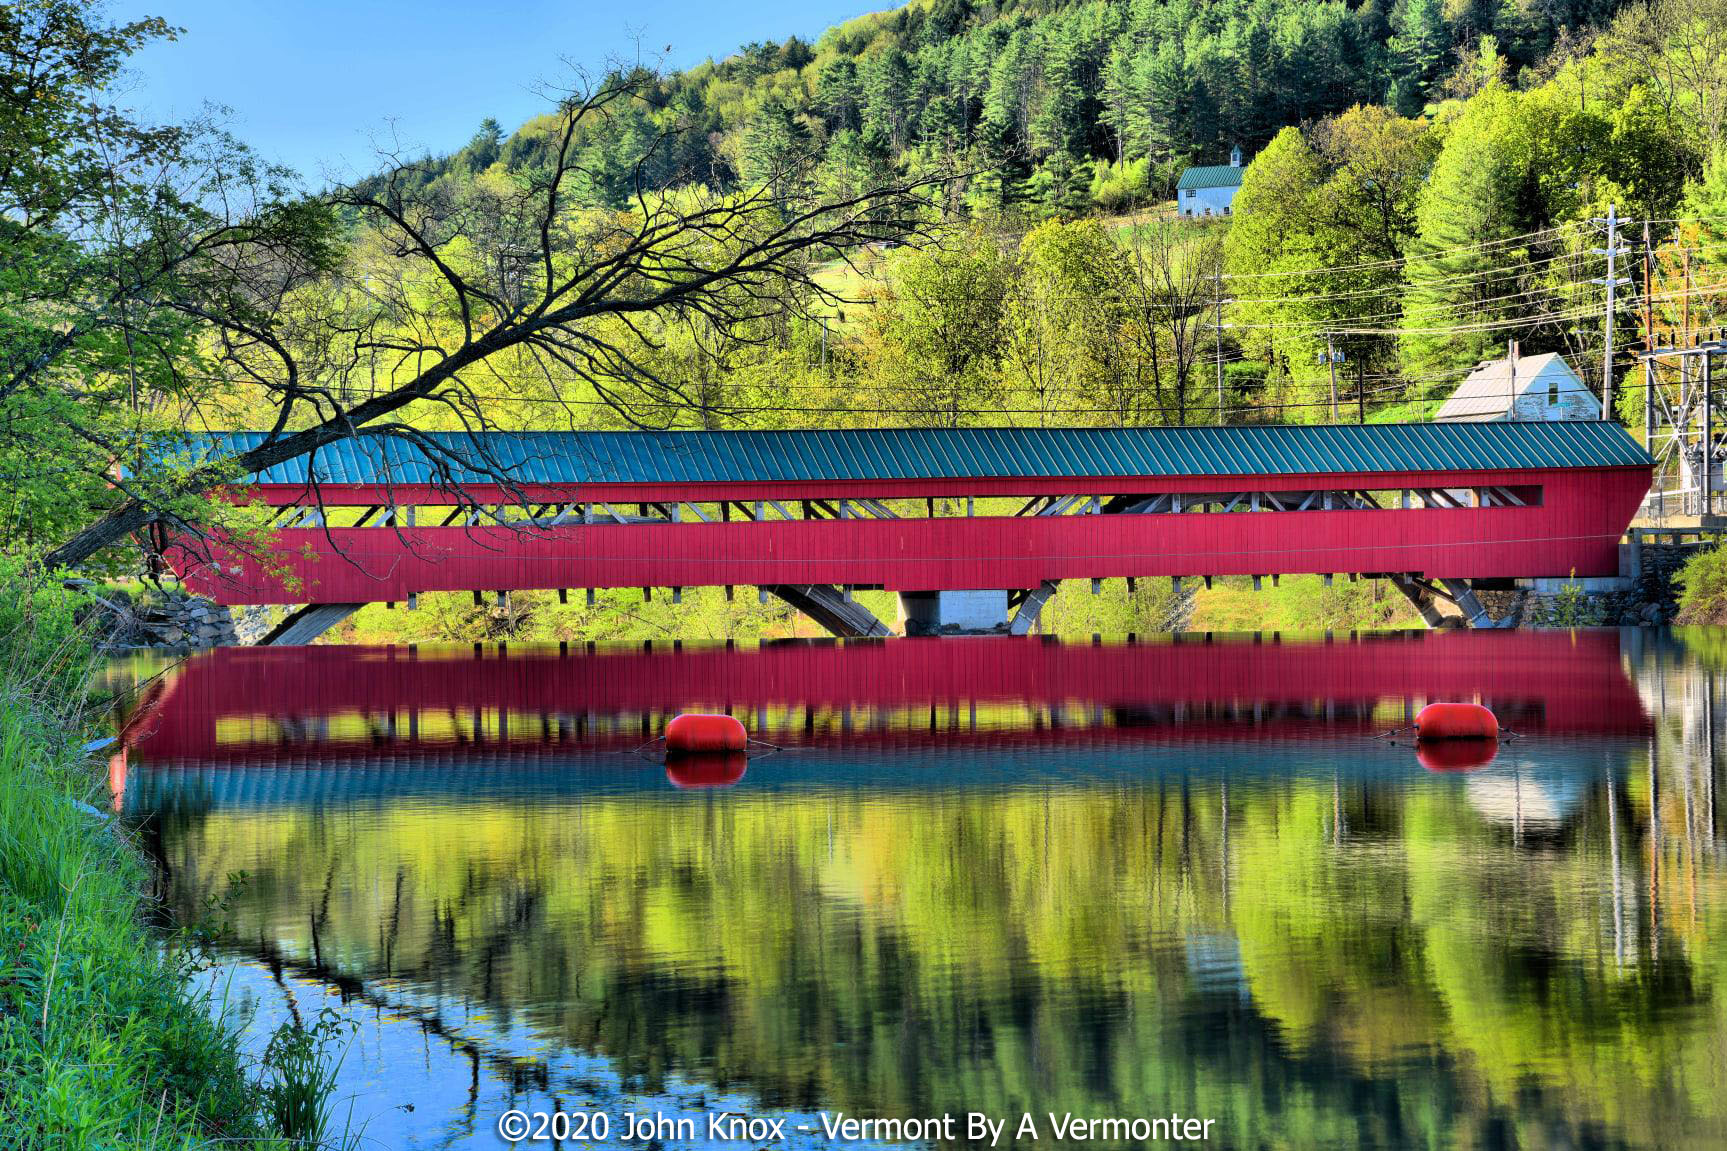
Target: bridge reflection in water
x=994, y=875
x=252, y=706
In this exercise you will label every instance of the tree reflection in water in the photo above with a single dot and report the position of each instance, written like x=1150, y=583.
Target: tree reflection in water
x=1310, y=939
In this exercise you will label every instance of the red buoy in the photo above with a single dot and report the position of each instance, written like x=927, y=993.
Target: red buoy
x=1456, y=754
x=707, y=769
x=693, y=733
x=1456, y=721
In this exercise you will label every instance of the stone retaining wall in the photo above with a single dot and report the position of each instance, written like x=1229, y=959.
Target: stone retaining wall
x=169, y=620
x=1651, y=599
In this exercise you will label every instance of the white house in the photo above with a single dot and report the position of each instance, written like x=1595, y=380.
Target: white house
x=1521, y=388
x=1208, y=191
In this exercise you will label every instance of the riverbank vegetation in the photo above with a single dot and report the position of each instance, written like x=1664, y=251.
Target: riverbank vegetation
x=101, y=1045
x=108, y=1041
x=1296, y=604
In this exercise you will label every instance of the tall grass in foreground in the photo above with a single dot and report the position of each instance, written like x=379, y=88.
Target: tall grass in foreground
x=102, y=1044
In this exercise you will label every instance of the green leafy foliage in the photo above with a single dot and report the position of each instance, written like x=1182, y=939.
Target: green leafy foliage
x=1703, y=588
x=119, y=239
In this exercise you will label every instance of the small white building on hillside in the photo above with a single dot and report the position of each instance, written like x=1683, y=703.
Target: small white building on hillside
x=1521, y=388
x=1209, y=191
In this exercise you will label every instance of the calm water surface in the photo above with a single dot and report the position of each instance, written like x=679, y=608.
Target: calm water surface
x=1001, y=876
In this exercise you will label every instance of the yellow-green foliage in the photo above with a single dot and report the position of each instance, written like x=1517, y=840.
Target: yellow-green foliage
x=1299, y=604
x=1302, y=603
x=705, y=614
x=1703, y=584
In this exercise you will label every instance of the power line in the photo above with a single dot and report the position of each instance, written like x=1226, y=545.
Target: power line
x=1398, y=261
x=1195, y=408
x=1394, y=285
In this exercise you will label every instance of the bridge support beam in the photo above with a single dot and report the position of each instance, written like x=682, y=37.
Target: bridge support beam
x=1464, y=597
x=1425, y=597
x=830, y=608
x=303, y=625
x=1421, y=595
x=1030, y=607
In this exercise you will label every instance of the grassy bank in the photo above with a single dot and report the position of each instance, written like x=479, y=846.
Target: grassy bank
x=100, y=1044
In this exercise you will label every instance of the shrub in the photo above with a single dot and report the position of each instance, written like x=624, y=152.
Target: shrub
x=1703, y=588
x=1118, y=187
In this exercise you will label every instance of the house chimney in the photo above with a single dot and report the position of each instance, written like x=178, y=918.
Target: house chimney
x=1511, y=358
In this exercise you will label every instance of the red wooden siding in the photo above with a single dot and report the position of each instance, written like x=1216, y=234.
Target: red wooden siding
x=1575, y=530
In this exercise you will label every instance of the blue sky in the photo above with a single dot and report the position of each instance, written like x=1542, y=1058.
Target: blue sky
x=312, y=83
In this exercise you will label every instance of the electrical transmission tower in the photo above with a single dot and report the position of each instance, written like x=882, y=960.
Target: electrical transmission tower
x=1682, y=407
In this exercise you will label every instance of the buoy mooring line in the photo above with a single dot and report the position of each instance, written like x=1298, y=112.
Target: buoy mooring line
x=753, y=748
x=1506, y=735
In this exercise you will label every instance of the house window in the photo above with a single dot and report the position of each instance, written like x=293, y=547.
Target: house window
x=1190, y=193
x=1552, y=392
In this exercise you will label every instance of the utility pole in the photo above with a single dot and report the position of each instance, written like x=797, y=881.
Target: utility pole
x=1331, y=362
x=1612, y=252
x=1648, y=339
x=1217, y=280
x=1685, y=397
x=1708, y=451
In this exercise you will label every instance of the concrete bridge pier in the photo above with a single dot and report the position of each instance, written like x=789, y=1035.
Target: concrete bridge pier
x=983, y=611
x=953, y=612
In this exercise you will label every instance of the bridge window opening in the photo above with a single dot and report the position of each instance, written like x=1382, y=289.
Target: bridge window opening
x=1237, y=502
x=1516, y=496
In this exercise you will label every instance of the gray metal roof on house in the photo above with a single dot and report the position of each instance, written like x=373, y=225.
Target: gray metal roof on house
x=1215, y=176
x=1491, y=389
x=899, y=453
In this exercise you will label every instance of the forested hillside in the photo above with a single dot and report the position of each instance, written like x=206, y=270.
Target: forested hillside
x=1422, y=186
x=1057, y=104
x=1426, y=183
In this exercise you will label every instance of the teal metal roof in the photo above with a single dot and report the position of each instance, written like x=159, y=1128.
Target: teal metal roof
x=1215, y=176
x=903, y=453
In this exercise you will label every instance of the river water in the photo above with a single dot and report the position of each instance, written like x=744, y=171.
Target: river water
x=997, y=876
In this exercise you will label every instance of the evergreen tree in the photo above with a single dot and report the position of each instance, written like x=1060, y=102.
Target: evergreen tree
x=888, y=100
x=1418, y=49
x=1465, y=297
x=483, y=150
x=839, y=96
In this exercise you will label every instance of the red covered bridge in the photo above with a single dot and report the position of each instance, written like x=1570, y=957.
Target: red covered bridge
x=967, y=526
